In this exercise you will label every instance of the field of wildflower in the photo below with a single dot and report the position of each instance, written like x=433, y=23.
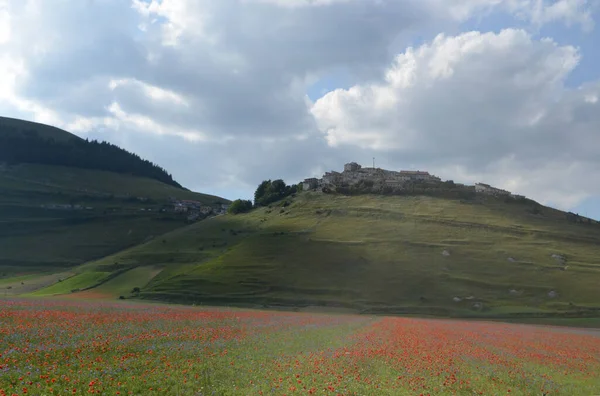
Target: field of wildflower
x=60, y=347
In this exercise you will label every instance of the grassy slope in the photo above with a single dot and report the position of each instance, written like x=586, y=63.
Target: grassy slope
x=43, y=130
x=380, y=254
x=34, y=239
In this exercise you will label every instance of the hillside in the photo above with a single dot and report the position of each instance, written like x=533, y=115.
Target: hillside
x=24, y=142
x=14, y=127
x=56, y=217
x=372, y=254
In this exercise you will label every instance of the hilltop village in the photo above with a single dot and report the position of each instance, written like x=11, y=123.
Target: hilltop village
x=355, y=175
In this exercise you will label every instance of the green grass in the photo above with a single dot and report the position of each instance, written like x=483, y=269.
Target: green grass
x=35, y=238
x=566, y=322
x=45, y=131
x=123, y=284
x=19, y=285
x=79, y=281
x=28, y=179
x=380, y=255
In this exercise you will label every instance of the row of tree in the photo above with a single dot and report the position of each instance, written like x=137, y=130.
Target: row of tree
x=266, y=193
x=439, y=189
x=272, y=191
x=28, y=147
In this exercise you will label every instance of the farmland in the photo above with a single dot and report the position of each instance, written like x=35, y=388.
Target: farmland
x=53, y=346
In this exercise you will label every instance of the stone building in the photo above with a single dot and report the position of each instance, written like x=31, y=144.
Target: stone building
x=354, y=173
x=483, y=188
x=310, y=184
x=352, y=167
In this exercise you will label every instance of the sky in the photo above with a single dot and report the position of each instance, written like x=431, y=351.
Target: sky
x=224, y=94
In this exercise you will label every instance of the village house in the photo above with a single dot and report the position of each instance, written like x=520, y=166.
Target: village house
x=180, y=208
x=310, y=183
x=354, y=173
x=206, y=210
x=483, y=188
x=185, y=205
x=191, y=204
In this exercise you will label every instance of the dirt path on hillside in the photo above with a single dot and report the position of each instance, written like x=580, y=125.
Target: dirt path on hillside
x=31, y=285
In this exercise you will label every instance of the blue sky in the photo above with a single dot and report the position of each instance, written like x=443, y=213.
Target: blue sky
x=587, y=42
x=205, y=90
x=587, y=70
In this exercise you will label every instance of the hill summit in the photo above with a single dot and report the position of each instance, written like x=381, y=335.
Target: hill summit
x=356, y=179
x=482, y=256
x=28, y=142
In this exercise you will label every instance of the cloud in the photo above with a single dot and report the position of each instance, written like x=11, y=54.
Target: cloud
x=571, y=12
x=536, y=12
x=5, y=23
x=215, y=91
x=493, y=106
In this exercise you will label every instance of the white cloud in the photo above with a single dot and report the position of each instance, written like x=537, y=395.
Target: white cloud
x=537, y=12
x=146, y=124
x=493, y=105
x=571, y=12
x=179, y=80
x=298, y=3
x=151, y=91
x=5, y=22
x=11, y=70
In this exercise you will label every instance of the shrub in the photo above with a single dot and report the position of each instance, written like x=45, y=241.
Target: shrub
x=240, y=206
x=271, y=191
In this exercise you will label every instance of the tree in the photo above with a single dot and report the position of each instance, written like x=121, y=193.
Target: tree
x=271, y=191
x=29, y=147
x=261, y=191
x=240, y=206
x=278, y=187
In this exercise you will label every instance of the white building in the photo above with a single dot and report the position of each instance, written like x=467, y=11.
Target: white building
x=483, y=188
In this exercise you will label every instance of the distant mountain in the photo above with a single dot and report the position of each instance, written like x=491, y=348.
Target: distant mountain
x=33, y=143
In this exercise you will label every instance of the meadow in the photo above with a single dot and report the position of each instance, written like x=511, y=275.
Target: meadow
x=370, y=254
x=57, y=347
x=115, y=219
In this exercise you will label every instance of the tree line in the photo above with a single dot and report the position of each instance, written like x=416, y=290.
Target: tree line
x=267, y=192
x=29, y=147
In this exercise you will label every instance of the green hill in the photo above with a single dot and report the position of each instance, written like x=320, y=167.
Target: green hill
x=55, y=217
x=377, y=254
x=23, y=142
x=20, y=128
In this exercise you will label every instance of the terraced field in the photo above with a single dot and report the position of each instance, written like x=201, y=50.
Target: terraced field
x=376, y=254
x=116, y=212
